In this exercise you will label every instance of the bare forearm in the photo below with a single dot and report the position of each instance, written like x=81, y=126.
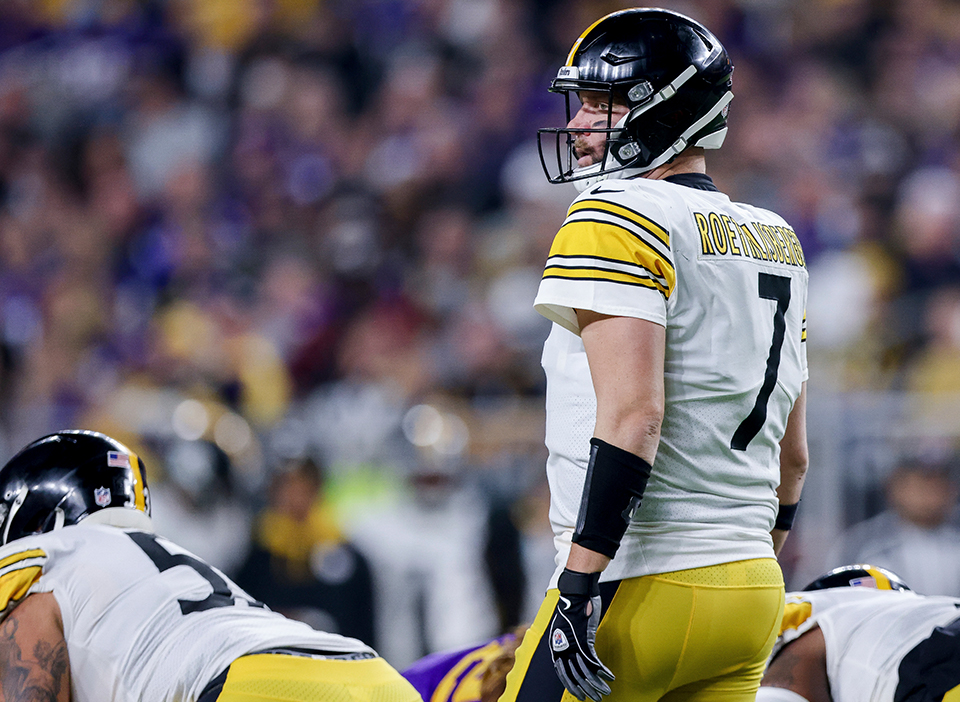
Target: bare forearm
x=637, y=432
x=794, y=455
x=794, y=459
x=626, y=358
x=583, y=560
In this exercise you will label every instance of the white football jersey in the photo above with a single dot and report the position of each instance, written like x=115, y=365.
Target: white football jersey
x=867, y=634
x=144, y=619
x=729, y=284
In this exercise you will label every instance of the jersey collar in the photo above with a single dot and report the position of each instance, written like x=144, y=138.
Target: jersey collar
x=698, y=181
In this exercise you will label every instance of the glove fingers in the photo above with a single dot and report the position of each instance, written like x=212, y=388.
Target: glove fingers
x=582, y=684
x=595, y=665
x=594, y=686
x=605, y=673
x=599, y=668
x=568, y=683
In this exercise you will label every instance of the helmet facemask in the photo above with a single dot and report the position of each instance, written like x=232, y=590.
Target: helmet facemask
x=619, y=149
x=669, y=71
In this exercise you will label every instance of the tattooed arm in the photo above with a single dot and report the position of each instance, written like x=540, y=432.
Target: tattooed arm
x=33, y=653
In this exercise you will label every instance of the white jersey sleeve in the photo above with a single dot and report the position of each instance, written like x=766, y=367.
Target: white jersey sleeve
x=608, y=257
x=867, y=634
x=728, y=282
x=144, y=619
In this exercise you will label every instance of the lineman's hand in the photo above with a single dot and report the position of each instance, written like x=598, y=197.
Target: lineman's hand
x=573, y=632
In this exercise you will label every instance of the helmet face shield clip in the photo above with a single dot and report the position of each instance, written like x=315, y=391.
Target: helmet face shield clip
x=641, y=91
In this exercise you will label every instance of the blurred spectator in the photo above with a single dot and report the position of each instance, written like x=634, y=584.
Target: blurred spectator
x=199, y=506
x=301, y=564
x=936, y=368
x=915, y=536
x=223, y=217
x=426, y=547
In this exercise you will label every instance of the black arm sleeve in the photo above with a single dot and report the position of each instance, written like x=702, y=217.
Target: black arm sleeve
x=615, y=483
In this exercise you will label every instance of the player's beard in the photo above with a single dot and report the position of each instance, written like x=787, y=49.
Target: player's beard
x=582, y=148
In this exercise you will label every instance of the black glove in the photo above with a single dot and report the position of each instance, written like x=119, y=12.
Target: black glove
x=573, y=633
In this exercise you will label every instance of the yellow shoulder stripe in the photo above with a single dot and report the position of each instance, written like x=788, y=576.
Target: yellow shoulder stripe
x=22, y=556
x=619, y=210
x=18, y=572
x=609, y=276
x=611, y=252
x=795, y=614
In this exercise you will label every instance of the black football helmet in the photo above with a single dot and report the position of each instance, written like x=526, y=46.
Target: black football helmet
x=858, y=575
x=64, y=478
x=673, y=75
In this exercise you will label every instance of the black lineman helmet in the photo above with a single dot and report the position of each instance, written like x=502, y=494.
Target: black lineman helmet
x=672, y=73
x=64, y=478
x=858, y=575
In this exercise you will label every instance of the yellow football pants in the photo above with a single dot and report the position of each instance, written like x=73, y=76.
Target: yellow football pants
x=271, y=677
x=688, y=636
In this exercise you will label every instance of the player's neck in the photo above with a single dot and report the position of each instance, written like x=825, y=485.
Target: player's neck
x=690, y=160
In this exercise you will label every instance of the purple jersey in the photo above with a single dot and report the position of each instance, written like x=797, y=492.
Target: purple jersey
x=455, y=676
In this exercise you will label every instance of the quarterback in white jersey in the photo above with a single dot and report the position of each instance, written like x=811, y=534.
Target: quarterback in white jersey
x=865, y=638
x=676, y=370
x=728, y=283
x=97, y=608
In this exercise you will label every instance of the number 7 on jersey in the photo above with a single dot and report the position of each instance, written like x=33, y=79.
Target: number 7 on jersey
x=772, y=287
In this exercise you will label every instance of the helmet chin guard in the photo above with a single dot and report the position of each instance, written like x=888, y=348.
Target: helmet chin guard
x=674, y=77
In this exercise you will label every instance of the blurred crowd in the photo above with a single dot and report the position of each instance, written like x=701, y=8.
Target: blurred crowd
x=287, y=249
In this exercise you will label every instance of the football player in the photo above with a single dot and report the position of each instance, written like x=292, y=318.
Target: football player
x=474, y=674
x=859, y=634
x=97, y=607
x=676, y=372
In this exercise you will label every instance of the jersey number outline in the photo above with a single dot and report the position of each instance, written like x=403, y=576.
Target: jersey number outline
x=221, y=596
x=772, y=287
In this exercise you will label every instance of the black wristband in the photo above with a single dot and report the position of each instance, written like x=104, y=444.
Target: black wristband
x=573, y=582
x=785, y=516
x=614, y=485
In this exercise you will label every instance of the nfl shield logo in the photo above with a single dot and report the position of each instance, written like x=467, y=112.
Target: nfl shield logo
x=101, y=496
x=559, y=641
